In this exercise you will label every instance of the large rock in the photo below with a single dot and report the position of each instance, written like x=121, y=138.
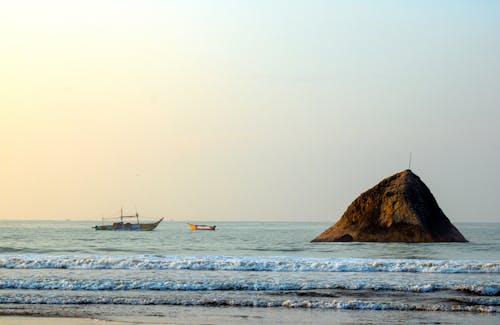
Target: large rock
x=400, y=208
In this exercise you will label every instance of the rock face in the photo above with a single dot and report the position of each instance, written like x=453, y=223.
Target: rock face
x=400, y=208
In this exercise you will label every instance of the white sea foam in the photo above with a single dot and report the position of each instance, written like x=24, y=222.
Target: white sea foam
x=243, y=284
x=247, y=263
x=261, y=302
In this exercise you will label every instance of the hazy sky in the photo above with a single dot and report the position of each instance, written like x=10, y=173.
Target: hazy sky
x=245, y=110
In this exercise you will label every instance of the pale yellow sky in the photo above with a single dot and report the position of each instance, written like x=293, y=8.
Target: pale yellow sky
x=245, y=110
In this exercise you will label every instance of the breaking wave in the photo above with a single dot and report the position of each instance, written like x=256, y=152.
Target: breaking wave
x=248, y=263
x=235, y=285
x=335, y=304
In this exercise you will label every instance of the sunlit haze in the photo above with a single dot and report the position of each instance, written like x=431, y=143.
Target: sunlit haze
x=245, y=110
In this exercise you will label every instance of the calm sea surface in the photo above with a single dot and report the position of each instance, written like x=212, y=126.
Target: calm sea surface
x=243, y=264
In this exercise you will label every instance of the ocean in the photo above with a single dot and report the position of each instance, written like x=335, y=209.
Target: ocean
x=253, y=272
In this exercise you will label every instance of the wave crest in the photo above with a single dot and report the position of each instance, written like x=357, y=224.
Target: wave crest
x=296, y=304
x=224, y=263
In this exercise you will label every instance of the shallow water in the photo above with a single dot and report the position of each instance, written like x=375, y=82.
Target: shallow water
x=241, y=265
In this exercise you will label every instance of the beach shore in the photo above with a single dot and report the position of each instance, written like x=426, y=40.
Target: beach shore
x=99, y=315
x=30, y=320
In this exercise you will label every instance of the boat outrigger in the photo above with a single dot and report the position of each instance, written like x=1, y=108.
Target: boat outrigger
x=120, y=225
x=201, y=227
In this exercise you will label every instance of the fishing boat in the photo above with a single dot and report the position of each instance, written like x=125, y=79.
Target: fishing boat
x=201, y=227
x=133, y=226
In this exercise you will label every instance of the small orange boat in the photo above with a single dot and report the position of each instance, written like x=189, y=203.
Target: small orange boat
x=201, y=227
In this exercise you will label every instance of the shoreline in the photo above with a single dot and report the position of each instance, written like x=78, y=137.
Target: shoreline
x=11, y=314
x=47, y=320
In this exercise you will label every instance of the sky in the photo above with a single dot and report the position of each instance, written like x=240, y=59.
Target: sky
x=245, y=110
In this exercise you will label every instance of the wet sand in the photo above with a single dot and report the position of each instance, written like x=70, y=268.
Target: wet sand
x=30, y=320
x=97, y=315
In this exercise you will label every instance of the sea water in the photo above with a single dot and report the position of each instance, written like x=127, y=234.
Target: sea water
x=45, y=266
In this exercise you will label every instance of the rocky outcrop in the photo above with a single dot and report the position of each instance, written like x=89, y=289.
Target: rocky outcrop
x=400, y=208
